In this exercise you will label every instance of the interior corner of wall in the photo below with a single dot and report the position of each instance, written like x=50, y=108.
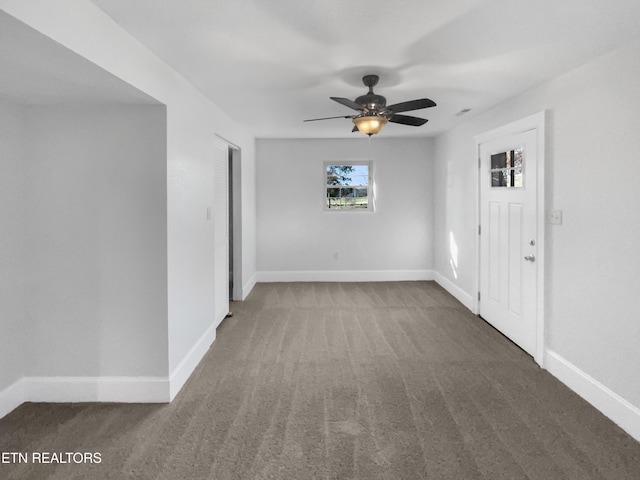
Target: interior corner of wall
x=181, y=373
x=12, y=397
x=248, y=287
x=461, y=295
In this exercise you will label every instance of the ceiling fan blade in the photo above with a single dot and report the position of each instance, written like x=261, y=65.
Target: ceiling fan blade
x=412, y=105
x=348, y=103
x=408, y=120
x=327, y=118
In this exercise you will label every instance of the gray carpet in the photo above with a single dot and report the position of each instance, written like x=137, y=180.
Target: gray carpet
x=340, y=381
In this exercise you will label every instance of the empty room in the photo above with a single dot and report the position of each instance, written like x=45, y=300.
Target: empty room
x=328, y=239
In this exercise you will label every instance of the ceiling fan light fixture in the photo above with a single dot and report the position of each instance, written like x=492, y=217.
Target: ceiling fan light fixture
x=373, y=112
x=370, y=124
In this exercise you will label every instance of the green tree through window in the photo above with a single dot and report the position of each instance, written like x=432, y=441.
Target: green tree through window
x=347, y=186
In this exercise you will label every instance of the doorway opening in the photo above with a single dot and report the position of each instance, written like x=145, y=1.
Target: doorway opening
x=235, y=224
x=227, y=227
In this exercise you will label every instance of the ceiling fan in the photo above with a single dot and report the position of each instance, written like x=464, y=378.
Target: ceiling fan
x=374, y=112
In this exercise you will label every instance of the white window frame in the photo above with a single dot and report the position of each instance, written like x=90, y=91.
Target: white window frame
x=370, y=186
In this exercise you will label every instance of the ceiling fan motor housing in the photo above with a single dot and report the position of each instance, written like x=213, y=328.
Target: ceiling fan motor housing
x=372, y=102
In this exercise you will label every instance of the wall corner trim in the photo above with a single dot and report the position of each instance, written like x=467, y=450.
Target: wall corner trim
x=612, y=405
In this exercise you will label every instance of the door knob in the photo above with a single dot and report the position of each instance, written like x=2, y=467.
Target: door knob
x=530, y=258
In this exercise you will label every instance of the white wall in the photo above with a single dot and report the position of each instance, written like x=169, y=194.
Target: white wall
x=192, y=129
x=12, y=276
x=95, y=241
x=592, y=258
x=192, y=123
x=297, y=239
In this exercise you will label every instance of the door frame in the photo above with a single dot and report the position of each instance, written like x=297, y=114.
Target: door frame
x=532, y=122
x=236, y=246
x=236, y=219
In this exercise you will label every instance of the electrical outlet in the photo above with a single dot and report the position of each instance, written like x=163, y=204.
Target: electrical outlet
x=555, y=217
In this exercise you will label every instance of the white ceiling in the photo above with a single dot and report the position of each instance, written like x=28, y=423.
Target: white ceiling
x=271, y=64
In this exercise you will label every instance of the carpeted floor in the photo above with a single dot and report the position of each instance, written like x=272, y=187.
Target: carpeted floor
x=340, y=381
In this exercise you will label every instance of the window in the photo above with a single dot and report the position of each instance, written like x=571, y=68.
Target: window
x=506, y=168
x=348, y=186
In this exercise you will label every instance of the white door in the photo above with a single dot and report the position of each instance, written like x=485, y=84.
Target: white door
x=221, y=229
x=508, y=236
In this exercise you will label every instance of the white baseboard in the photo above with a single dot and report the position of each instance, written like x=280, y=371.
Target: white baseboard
x=84, y=389
x=106, y=389
x=247, y=287
x=96, y=389
x=188, y=364
x=11, y=397
x=345, y=276
x=460, y=295
x=619, y=410
x=623, y=413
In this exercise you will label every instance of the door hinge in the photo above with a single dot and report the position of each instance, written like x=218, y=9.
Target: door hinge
x=479, y=229
x=479, y=162
x=478, y=296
